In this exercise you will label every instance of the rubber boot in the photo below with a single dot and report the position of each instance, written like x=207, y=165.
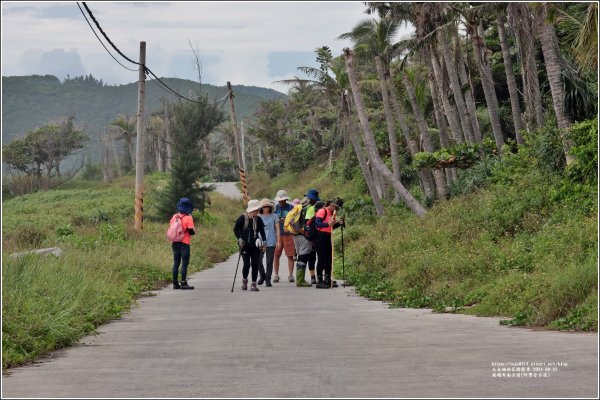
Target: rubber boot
x=300, y=282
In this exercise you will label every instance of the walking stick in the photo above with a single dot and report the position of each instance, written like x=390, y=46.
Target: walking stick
x=236, y=269
x=343, y=257
x=332, y=246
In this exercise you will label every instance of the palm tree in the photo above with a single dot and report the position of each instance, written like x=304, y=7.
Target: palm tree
x=440, y=182
x=475, y=31
x=335, y=86
x=373, y=40
x=510, y=75
x=522, y=23
x=547, y=36
x=404, y=194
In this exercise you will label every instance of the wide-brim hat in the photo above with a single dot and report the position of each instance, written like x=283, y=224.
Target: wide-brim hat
x=313, y=194
x=282, y=195
x=185, y=206
x=253, y=205
x=267, y=203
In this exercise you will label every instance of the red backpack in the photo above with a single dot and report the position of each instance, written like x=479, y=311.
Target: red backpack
x=175, y=233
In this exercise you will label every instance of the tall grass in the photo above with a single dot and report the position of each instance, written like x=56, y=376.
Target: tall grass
x=49, y=302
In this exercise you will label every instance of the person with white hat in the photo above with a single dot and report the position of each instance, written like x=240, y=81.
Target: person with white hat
x=273, y=237
x=250, y=233
x=287, y=241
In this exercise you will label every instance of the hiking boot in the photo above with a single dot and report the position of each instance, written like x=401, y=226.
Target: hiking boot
x=261, y=280
x=253, y=287
x=244, y=284
x=313, y=280
x=290, y=278
x=176, y=285
x=323, y=285
x=331, y=283
x=184, y=285
x=268, y=283
x=276, y=279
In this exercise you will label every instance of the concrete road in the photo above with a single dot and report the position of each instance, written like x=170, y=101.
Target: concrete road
x=304, y=342
x=229, y=189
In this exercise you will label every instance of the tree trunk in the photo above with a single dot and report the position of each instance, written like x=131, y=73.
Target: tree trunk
x=464, y=118
x=510, y=78
x=389, y=118
x=350, y=128
x=404, y=194
x=449, y=109
x=438, y=175
x=522, y=24
x=469, y=100
x=549, y=44
x=487, y=81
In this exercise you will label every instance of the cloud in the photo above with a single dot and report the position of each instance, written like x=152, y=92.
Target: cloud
x=61, y=63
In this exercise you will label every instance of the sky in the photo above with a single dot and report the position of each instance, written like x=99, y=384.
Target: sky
x=247, y=43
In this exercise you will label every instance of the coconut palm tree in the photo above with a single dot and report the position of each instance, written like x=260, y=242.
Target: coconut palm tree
x=510, y=75
x=404, y=194
x=548, y=40
x=331, y=78
x=373, y=40
x=522, y=23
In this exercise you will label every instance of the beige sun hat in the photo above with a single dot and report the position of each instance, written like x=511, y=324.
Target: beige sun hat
x=253, y=205
x=282, y=195
x=267, y=203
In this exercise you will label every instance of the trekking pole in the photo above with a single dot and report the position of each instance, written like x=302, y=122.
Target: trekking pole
x=332, y=246
x=343, y=257
x=236, y=269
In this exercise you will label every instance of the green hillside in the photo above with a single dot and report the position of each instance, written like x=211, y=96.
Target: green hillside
x=31, y=101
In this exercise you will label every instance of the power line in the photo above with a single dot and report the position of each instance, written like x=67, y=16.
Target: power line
x=146, y=69
x=97, y=37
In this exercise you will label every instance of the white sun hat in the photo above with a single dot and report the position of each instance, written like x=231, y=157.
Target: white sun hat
x=253, y=205
x=282, y=195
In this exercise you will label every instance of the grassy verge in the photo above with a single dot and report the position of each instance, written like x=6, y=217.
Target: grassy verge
x=49, y=302
x=523, y=246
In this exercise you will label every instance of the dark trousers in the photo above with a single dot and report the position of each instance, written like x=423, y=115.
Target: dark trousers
x=251, y=257
x=181, y=255
x=270, y=255
x=312, y=261
x=323, y=243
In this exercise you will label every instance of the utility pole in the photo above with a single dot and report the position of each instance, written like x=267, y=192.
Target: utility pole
x=139, y=156
x=243, y=146
x=237, y=144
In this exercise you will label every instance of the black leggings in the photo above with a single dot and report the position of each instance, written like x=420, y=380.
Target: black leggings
x=251, y=256
x=323, y=243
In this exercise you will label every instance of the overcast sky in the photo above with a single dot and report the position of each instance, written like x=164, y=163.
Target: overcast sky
x=247, y=43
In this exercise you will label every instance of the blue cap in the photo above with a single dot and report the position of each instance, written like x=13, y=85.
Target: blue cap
x=313, y=194
x=185, y=206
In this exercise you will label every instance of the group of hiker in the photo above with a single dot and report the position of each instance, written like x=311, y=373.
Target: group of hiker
x=265, y=231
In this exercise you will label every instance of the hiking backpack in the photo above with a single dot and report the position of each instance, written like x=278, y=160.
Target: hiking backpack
x=175, y=233
x=294, y=220
x=310, y=227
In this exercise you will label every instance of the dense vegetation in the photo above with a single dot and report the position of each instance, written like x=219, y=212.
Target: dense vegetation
x=519, y=240
x=49, y=302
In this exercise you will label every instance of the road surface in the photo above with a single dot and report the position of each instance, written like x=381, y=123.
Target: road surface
x=286, y=341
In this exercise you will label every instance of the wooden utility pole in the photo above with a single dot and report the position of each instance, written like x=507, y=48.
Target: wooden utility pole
x=243, y=146
x=237, y=144
x=139, y=156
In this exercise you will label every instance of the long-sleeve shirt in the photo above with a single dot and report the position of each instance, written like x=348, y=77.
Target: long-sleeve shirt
x=254, y=229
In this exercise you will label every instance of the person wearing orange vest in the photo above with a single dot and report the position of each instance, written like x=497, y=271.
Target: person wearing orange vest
x=325, y=224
